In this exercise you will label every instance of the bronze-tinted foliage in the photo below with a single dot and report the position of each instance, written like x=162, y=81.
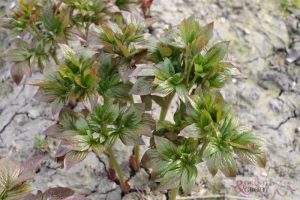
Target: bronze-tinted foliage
x=182, y=66
x=13, y=177
x=117, y=65
x=98, y=130
x=185, y=67
x=47, y=24
x=57, y=193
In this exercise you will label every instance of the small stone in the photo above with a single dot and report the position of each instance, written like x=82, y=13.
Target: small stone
x=115, y=195
x=293, y=84
x=292, y=56
x=264, y=174
x=12, y=5
x=33, y=113
x=140, y=180
x=21, y=120
x=274, y=104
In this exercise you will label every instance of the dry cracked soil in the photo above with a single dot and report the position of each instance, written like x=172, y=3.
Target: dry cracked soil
x=264, y=43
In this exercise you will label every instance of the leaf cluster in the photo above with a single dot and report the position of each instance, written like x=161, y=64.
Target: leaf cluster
x=57, y=193
x=13, y=177
x=41, y=25
x=98, y=130
x=186, y=68
x=75, y=80
x=107, y=91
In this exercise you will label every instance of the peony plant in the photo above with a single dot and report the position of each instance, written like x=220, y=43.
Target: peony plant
x=104, y=73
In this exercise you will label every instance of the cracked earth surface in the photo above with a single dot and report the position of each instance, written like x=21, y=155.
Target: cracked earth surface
x=265, y=45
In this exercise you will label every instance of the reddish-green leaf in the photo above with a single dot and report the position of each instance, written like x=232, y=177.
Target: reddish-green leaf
x=18, y=71
x=191, y=131
x=216, y=53
x=74, y=157
x=165, y=147
x=142, y=86
x=58, y=193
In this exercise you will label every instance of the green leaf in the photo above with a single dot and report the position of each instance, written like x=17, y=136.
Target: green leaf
x=189, y=29
x=111, y=86
x=198, y=68
x=81, y=124
x=131, y=138
x=18, y=192
x=170, y=180
x=165, y=70
x=74, y=157
x=131, y=124
x=248, y=148
x=132, y=116
x=197, y=45
x=219, y=158
x=98, y=149
x=54, y=131
x=188, y=176
x=67, y=118
x=207, y=31
x=142, y=86
x=79, y=142
x=228, y=165
x=216, y=53
x=205, y=119
x=69, y=54
x=164, y=50
x=9, y=172
x=213, y=154
x=245, y=137
x=182, y=92
x=255, y=156
x=165, y=147
x=152, y=159
x=165, y=125
x=191, y=131
x=21, y=54
x=144, y=70
x=164, y=88
x=103, y=115
x=123, y=49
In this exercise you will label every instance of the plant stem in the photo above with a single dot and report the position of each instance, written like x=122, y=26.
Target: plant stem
x=187, y=68
x=165, y=108
x=115, y=165
x=163, y=113
x=193, y=81
x=54, y=56
x=188, y=74
x=87, y=27
x=2, y=195
x=173, y=193
x=204, y=145
x=137, y=150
